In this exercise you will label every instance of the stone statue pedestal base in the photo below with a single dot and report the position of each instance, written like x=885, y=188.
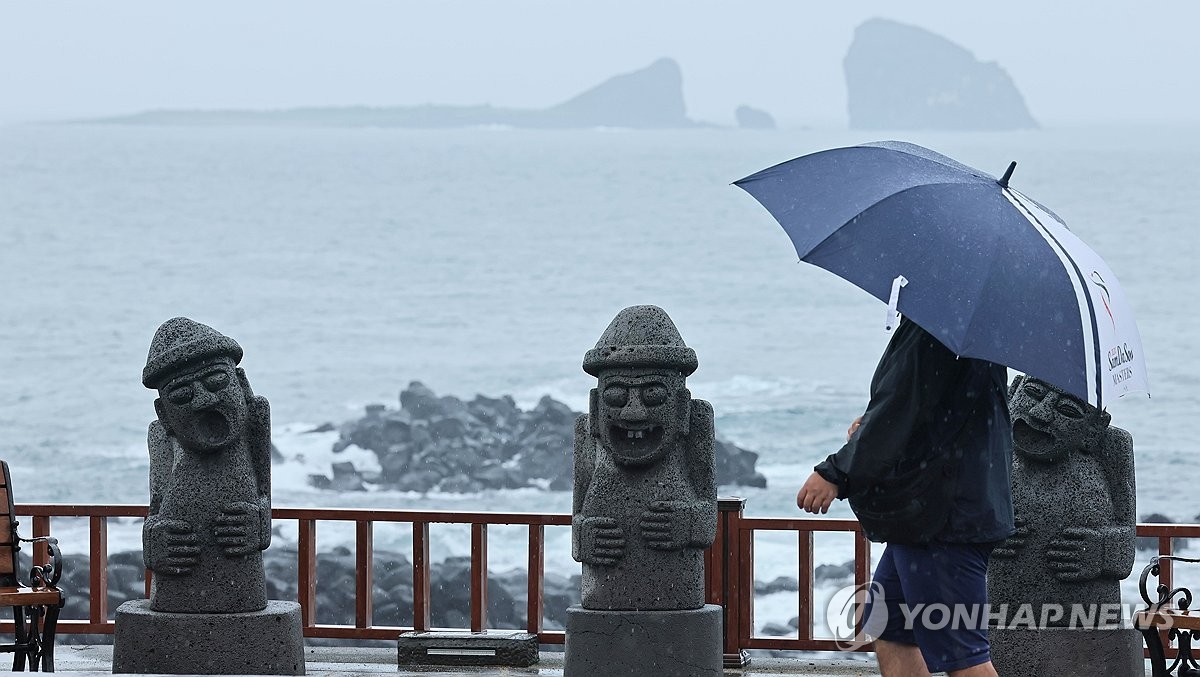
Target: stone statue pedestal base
x=643, y=643
x=1113, y=652
x=267, y=642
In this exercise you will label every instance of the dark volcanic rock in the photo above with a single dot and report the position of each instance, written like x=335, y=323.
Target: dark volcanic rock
x=904, y=77
x=752, y=118
x=447, y=444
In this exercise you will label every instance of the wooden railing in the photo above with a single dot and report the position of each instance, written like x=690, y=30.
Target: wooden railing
x=729, y=580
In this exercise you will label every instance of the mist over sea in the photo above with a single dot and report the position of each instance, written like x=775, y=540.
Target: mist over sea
x=348, y=262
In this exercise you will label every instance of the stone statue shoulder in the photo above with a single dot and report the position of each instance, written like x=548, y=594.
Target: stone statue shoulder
x=162, y=460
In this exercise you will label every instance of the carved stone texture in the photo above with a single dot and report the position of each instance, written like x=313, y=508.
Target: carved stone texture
x=645, y=489
x=210, y=475
x=264, y=642
x=1073, y=494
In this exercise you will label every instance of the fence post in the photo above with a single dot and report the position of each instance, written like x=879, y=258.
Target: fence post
x=536, y=573
x=364, y=580
x=306, y=571
x=98, y=574
x=479, y=579
x=420, y=563
x=728, y=549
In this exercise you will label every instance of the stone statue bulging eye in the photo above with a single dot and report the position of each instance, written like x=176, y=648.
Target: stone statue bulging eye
x=654, y=395
x=1069, y=410
x=180, y=395
x=216, y=381
x=1036, y=392
x=616, y=396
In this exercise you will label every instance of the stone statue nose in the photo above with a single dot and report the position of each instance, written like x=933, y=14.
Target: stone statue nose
x=1043, y=411
x=202, y=398
x=633, y=410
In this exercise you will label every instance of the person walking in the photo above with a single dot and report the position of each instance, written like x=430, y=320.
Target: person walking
x=926, y=470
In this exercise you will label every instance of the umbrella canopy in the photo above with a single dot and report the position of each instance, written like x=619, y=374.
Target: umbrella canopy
x=988, y=271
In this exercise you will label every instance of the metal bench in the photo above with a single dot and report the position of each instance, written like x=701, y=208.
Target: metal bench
x=35, y=604
x=1168, y=616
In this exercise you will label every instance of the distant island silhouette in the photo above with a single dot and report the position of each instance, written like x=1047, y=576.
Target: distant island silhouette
x=905, y=77
x=649, y=98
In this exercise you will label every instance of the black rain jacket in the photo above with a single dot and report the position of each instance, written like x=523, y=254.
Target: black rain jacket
x=943, y=420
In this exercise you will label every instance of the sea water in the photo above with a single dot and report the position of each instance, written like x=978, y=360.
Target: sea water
x=348, y=262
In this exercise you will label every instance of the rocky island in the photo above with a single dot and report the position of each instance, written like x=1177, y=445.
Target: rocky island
x=450, y=445
x=649, y=98
x=904, y=77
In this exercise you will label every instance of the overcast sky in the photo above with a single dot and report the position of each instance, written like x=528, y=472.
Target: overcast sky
x=1074, y=61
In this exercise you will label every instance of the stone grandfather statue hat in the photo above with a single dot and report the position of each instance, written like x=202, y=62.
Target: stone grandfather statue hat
x=640, y=336
x=180, y=342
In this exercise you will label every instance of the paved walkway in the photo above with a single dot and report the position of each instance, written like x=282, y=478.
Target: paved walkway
x=87, y=660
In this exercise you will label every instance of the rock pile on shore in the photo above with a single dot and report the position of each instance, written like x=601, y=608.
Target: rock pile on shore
x=447, y=444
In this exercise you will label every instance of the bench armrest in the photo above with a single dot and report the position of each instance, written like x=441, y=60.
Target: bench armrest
x=46, y=575
x=1164, y=597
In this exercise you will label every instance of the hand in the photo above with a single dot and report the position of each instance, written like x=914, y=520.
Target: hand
x=665, y=525
x=1076, y=555
x=853, y=426
x=1013, y=544
x=601, y=541
x=237, y=528
x=173, y=547
x=817, y=494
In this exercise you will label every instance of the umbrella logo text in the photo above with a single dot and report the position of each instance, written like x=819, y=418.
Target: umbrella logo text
x=1099, y=282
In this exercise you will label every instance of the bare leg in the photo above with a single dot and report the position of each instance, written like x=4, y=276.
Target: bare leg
x=902, y=660
x=981, y=670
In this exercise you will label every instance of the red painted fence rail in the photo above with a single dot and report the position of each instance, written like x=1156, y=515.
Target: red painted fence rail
x=729, y=580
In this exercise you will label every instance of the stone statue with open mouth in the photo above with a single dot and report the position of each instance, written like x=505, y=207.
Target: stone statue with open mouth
x=210, y=475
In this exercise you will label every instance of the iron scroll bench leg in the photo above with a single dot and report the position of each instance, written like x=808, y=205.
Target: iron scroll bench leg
x=49, y=625
x=1158, y=660
x=20, y=647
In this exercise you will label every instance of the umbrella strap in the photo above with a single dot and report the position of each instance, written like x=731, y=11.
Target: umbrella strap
x=893, y=315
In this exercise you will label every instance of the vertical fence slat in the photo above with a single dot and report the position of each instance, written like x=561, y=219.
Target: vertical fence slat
x=478, y=577
x=41, y=528
x=745, y=597
x=714, y=566
x=805, y=606
x=862, y=573
x=98, y=568
x=364, y=579
x=306, y=571
x=420, y=576
x=729, y=516
x=1166, y=547
x=536, y=569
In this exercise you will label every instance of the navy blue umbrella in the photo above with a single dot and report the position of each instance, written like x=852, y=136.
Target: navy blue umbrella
x=988, y=271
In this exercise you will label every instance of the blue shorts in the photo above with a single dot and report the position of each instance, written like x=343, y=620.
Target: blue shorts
x=935, y=596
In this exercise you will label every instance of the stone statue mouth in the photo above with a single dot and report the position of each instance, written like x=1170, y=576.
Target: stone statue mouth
x=635, y=442
x=1034, y=442
x=213, y=427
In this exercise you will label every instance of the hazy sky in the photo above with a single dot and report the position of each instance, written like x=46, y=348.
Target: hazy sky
x=1075, y=61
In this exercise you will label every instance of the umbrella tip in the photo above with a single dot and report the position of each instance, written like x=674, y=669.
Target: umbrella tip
x=1003, y=181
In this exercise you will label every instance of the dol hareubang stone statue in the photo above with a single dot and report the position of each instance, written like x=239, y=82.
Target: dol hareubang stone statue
x=210, y=475
x=1074, y=498
x=645, y=486
x=644, y=508
x=209, y=520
